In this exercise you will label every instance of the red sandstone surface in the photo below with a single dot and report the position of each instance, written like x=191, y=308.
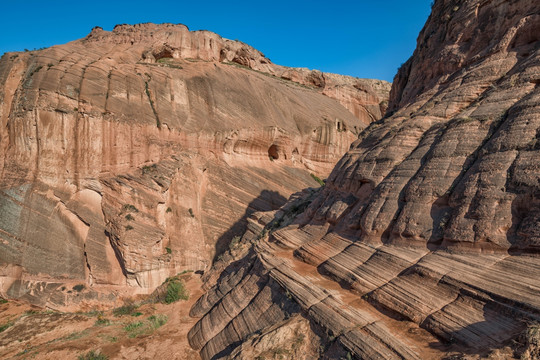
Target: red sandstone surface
x=132, y=155
x=422, y=244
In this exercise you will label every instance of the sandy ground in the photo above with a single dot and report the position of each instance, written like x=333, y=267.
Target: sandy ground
x=34, y=333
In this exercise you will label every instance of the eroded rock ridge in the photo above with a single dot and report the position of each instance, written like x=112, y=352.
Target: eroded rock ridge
x=424, y=242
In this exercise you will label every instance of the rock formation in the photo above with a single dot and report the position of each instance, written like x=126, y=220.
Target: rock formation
x=129, y=156
x=424, y=242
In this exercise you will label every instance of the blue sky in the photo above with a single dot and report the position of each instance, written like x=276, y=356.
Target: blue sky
x=368, y=39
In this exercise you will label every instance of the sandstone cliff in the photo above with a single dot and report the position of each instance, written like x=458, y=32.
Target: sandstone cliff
x=424, y=242
x=131, y=155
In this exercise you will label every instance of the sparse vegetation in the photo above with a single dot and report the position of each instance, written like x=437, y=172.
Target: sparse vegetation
x=129, y=227
x=169, y=62
x=92, y=313
x=279, y=351
x=129, y=207
x=234, y=242
x=147, y=169
x=157, y=321
x=127, y=309
x=317, y=179
x=531, y=340
x=262, y=234
x=152, y=323
x=298, y=340
x=78, y=287
x=75, y=335
x=93, y=355
x=5, y=326
x=129, y=217
x=133, y=326
x=3, y=301
x=175, y=291
x=102, y=321
x=36, y=70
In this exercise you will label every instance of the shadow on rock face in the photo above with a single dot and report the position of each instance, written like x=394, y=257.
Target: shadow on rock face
x=266, y=201
x=491, y=324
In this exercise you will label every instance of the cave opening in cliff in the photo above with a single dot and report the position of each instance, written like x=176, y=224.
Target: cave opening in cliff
x=273, y=152
x=165, y=53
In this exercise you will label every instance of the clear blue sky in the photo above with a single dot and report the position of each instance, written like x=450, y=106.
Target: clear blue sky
x=368, y=39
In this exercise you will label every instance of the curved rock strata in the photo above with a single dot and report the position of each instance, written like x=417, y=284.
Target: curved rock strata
x=131, y=155
x=423, y=244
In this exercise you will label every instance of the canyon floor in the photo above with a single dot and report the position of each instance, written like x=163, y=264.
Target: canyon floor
x=37, y=333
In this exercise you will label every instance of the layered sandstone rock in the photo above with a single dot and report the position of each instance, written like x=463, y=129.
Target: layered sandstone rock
x=131, y=155
x=424, y=241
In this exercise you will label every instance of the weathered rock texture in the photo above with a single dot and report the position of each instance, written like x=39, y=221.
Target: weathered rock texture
x=425, y=241
x=131, y=155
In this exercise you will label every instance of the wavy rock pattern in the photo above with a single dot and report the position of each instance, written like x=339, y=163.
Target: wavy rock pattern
x=131, y=155
x=423, y=244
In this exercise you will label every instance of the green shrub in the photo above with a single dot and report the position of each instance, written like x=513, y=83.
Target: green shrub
x=36, y=70
x=129, y=207
x=129, y=217
x=127, y=309
x=78, y=287
x=101, y=321
x=3, y=301
x=129, y=227
x=168, y=210
x=157, y=321
x=147, y=326
x=168, y=249
x=317, y=179
x=175, y=291
x=190, y=210
x=5, y=326
x=92, y=313
x=133, y=326
x=146, y=169
x=92, y=355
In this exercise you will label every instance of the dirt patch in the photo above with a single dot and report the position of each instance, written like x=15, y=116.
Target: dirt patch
x=151, y=331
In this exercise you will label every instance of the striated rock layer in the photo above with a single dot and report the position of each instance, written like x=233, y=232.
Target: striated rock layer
x=131, y=155
x=424, y=242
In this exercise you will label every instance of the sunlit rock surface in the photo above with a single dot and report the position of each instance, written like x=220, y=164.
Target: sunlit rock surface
x=424, y=243
x=131, y=155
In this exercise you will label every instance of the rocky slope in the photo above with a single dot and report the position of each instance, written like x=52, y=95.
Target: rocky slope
x=129, y=156
x=424, y=242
